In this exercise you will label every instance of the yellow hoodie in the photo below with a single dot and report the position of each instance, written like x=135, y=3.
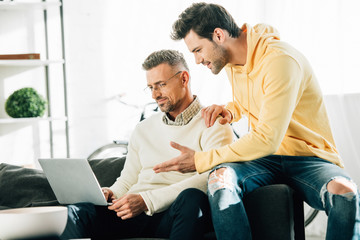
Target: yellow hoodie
x=279, y=93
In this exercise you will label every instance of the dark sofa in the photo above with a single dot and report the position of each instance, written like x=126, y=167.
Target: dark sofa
x=275, y=212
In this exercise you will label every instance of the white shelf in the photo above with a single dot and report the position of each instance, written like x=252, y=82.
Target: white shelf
x=28, y=63
x=13, y=67
x=31, y=120
x=27, y=5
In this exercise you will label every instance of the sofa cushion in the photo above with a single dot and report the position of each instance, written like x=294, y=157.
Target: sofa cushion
x=25, y=187
x=107, y=170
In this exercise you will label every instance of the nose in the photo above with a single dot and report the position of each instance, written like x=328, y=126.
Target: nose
x=198, y=58
x=155, y=93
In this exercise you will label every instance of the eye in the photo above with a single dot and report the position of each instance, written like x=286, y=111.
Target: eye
x=162, y=85
x=198, y=50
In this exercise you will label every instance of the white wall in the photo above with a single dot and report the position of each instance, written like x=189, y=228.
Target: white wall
x=107, y=40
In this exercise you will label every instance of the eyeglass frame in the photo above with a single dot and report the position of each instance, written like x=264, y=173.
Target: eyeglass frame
x=160, y=84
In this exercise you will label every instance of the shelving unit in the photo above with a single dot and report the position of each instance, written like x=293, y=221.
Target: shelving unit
x=28, y=63
x=9, y=68
x=30, y=120
x=14, y=5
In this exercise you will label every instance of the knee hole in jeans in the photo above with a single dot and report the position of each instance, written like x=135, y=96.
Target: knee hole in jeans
x=341, y=185
x=338, y=186
x=220, y=178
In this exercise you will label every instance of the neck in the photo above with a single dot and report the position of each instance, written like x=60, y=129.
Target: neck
x=183, y=104
x=238, y=49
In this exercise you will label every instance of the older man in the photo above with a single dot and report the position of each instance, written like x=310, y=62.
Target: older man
x=171, y=204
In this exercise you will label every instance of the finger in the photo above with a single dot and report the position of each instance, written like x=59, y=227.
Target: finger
x=223, y=121
x=127, y=216
x=178, y=146
x=167, y=166
x=115, y=205
x=214, y=116
x=227, y=114
x=203, y=111
x=205, y=115
x=106, y=194
x=123, y=213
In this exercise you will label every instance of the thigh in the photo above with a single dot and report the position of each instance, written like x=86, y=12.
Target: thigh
x=189, y=210
x=108, y=224
x=252, y=174
x=310, y=175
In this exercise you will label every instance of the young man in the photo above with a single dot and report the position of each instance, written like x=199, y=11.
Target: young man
x=146, y=204
x=290, y=139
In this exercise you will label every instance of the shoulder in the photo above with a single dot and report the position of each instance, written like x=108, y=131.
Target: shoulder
x=150, y=120
x=221, y=127
x=149, y=123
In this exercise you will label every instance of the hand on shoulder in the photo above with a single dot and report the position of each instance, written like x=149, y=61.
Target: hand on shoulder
x=211, y=113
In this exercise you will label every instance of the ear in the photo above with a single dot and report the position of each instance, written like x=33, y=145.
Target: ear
x=219, y=36
x=185, y=77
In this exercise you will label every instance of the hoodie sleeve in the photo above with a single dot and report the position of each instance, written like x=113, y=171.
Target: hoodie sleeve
x=158, y=200
x=281, y=86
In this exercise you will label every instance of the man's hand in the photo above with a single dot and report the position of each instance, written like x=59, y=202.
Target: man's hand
x=183, y=163
x=128, y=206
x=212, y=112
x=109, y=195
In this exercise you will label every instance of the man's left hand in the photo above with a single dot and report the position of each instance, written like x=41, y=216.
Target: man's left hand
x=183, y=163
x=128, y=206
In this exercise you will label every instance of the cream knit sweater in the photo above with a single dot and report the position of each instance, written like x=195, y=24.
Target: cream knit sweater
x=150, y=145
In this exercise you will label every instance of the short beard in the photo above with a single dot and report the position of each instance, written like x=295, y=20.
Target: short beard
x=223, y=58
x=167, y=107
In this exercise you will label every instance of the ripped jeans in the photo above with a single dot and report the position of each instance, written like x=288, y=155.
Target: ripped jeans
x=308, y=176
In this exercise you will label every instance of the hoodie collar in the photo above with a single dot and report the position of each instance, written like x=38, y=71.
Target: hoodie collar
x=257, y=38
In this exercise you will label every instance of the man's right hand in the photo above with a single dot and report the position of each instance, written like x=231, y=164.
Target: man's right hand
x=109, y=195
x=212, y=112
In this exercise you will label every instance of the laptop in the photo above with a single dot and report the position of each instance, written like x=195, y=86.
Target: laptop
x=73, y=181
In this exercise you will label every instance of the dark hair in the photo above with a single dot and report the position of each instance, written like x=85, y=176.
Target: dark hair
x=171, y=57
x=203, y=18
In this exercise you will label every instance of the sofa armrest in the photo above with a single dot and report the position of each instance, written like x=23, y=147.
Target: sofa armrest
x=275, y=212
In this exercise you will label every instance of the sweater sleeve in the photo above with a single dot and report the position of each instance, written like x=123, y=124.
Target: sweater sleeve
x=129, y=174
x=281, y=86
x=158, y=200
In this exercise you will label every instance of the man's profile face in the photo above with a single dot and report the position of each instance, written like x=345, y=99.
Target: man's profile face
x=207, y=52
x=166, y=86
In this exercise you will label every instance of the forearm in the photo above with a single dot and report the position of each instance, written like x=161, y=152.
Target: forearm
x=160, y=199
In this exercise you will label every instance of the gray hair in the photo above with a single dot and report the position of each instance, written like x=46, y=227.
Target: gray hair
x=171, y=57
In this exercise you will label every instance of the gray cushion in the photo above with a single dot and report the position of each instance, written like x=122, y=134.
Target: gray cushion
x=25, y=187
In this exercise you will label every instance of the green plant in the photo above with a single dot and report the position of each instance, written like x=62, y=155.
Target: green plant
x=25, y=102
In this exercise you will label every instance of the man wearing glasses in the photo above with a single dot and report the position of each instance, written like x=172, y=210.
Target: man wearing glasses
x=145, y=204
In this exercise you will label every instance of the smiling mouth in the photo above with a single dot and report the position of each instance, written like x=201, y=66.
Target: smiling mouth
x=161, y=101
x=207, y=64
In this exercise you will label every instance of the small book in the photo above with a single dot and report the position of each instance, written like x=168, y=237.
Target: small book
x=20, y=56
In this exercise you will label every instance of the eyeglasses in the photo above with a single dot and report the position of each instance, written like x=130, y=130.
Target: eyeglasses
x=159, y=85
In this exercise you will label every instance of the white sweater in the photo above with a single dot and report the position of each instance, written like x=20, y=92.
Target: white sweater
x=150, y=145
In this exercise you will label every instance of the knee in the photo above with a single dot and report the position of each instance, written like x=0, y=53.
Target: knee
x=191, y=197
x=80, y=211
x=192, y=194
x=341, y=186
x=191, y=201
x=220, y=178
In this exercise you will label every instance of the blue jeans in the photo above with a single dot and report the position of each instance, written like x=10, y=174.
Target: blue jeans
x=187, y=218
x=306, y=175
